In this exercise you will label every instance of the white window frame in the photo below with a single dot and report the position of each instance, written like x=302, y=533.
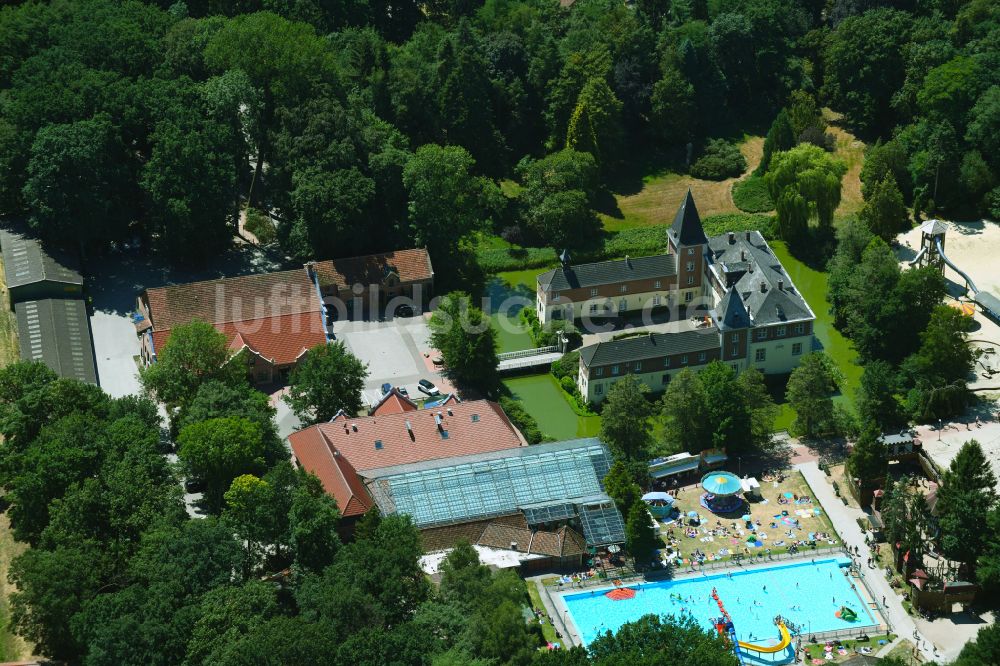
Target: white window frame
x=622, y=304
x=690, y=250
x=796, y=349
x=656, y=285
x=688, y=297
x=800, y=329
x=701, y=357
x=690, y=280
x=599, y=372
x=760, y=356
x=637, y=366
x=599, y=389
x=593, y=292
x=614, y=370
x=593, y=308
x=624, y=289
x=690, y=266
x=762, y=334
x=555, y=299
x=666, y=362
x=684, y=359
x=781, y=331
x=656, y=299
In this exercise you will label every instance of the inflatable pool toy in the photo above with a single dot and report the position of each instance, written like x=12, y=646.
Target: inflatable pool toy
x=847, y=614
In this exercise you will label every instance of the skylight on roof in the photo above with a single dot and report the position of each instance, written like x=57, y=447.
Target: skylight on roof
x=378, y=444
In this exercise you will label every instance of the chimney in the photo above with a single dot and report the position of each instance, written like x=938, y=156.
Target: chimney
x=354, y=427
x=750, y=267
x=732, y=237
x=311, y=269
x=763, y=286
x=748, y=236
x=409, y=431
x=781, y=285
x=513, y=545
x=743, y=255
x=450, y=413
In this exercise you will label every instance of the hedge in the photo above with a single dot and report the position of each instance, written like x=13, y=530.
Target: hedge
x=751, y=195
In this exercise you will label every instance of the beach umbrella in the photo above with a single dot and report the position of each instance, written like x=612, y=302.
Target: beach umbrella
x=747, y=516
x=692, y=514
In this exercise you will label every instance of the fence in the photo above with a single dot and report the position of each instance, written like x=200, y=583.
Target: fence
x=524, y=353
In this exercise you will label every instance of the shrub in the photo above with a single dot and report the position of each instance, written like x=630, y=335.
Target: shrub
x=512, y=234
x=751, y=195
x=720, y=160
x=524, y=421
x=568, y=385
x=636, y=242
x=259, y=224
x=818, y=137
x=499, y=259
x=566, y=367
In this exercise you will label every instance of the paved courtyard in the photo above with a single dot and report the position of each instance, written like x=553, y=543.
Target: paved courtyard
x=397, y=352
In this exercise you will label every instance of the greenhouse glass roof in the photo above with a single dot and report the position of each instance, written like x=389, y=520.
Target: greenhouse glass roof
x=546, y=481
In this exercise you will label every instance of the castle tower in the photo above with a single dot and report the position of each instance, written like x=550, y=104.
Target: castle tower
x=931, y=235
x=686, y=240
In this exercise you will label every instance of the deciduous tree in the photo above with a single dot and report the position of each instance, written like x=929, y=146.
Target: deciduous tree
x=327, y=381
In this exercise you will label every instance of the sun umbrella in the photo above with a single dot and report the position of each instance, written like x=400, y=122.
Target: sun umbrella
x=692, y=514
x=747, y=516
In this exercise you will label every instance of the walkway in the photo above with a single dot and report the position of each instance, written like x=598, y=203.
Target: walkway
x=534, y=360
x=845, y=519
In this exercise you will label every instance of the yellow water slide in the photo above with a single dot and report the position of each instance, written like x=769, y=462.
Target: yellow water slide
x=786, y=640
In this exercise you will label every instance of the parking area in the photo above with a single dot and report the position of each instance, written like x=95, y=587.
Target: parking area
x=397, y=352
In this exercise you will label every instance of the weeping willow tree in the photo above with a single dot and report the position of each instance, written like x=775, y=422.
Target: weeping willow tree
x=805, y=175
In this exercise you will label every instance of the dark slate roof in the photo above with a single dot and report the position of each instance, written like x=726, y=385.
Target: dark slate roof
x=730, y=313
x=609, y=272
x=687, y=229
x=26, y=261
x=652, y=345
x=750, y=263
x=56, y=332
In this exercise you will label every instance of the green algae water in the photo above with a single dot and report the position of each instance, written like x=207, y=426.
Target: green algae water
x=543, y=399
x=813, y=286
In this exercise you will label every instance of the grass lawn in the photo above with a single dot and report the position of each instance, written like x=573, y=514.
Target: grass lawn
x=662, y=193
x=816, y=651
x=812, y=284
x=9, y=349
x=852, y=151
x=688, y=499
x=904, y=652
x=11, y=647
x=548, y=631
x=543, y=399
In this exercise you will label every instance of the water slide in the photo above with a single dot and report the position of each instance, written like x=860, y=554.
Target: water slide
x=726, y=623
x=968, y=280
x=916, y=259
x=785, y=641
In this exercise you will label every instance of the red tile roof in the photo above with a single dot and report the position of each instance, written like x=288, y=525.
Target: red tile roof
x=410, y=265
x=383, y=440
x=280, y=340
x=337, y=476
x=243, y=298
x=393, y=402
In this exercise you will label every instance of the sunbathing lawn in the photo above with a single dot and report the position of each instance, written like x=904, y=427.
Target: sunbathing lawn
x=817, y=651
x=548, y=631
x=543, y=399
x=688, y=499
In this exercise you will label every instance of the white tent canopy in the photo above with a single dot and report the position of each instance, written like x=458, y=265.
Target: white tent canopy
x=649, y=497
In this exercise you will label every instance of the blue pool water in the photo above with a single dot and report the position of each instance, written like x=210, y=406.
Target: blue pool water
x=816, y=590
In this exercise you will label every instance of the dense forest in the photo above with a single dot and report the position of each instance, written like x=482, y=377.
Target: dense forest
x=366, y=124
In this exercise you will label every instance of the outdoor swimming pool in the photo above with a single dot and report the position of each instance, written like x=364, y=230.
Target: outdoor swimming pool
x=807, y=594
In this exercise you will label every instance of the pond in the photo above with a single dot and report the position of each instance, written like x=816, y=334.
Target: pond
x=543, y=399
x=508, y=293
x=813, y=286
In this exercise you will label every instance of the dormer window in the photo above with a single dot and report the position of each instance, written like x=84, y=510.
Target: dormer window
x=378, y=444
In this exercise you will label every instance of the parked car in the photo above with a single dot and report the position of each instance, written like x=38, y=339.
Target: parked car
x=194, y=485
x=438, y=361
x=404, y=311
x=386, y=388
x=426, y=386
x=403, y=392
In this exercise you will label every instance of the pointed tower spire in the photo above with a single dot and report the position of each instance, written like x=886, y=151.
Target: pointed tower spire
x=731, y=313
x=687, y=229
